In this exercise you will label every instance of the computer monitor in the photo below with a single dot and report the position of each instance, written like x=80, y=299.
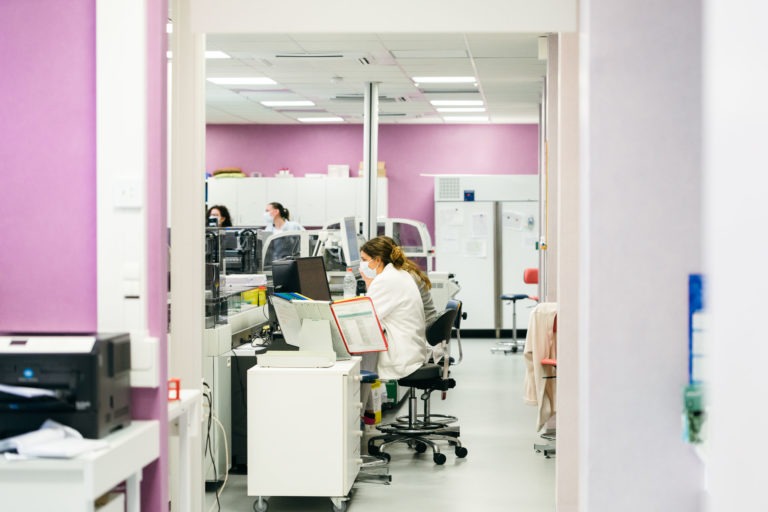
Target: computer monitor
x=306, y=276
x=349, y=243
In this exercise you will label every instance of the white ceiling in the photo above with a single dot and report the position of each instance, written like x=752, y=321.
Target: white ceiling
x=509, y=76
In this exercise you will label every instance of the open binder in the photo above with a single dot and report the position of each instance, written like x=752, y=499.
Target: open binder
x=351, y=325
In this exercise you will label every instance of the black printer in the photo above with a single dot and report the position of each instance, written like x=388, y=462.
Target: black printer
x=82, y=381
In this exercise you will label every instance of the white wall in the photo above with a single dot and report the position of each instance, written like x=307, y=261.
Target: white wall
x=422, y=16
x=641, y=234
x=736, y=126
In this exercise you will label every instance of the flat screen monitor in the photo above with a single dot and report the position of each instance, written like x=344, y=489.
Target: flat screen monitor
x=349, y=243
x=303, y=275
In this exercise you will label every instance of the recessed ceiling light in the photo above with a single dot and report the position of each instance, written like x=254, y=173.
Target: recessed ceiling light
x=444, y=79
x=321, y=119
x=294, y=103
x=457, y=103
x=462, y=119
x=243, y=80
x=461, y=109
x=216, y=54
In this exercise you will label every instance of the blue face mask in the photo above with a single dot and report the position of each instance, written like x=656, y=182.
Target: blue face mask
x=366, y=270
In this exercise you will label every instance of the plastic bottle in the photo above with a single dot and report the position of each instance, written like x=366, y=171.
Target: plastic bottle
x=350, y=284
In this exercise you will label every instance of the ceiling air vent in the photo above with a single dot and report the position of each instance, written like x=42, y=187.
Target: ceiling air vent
x=448, y=188
x=360, y=97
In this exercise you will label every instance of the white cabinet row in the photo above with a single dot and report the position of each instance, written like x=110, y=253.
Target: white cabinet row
x=311, y=201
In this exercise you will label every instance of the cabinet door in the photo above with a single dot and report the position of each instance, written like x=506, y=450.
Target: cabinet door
x=283, y=191
x=342, y=195
x=310, y=202
x=224, y=191
x=251, y=200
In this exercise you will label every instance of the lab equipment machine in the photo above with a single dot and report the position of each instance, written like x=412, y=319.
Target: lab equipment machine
x=82, y=381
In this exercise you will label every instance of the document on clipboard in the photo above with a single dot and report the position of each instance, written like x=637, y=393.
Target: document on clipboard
x=359, y=326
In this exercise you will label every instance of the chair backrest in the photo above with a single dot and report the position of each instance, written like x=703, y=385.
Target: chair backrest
x=456, y=305
x=441, y=329
x=531, y=276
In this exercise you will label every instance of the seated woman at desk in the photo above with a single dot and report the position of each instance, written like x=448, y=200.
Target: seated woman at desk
x=424, y=284
x=398, y=304
x=221, y=214
x=278, y=219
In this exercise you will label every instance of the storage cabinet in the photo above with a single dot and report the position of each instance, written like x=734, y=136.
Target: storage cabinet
x=311, y=201
x=304, y=430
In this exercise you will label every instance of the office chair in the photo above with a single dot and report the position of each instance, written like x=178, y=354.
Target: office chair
x=416, y=432
x=530, y=276
x=436, y=334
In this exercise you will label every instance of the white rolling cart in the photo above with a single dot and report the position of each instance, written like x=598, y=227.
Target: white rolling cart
x=304, y=432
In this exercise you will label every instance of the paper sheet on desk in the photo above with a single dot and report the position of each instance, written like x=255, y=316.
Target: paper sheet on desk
x=52, y=439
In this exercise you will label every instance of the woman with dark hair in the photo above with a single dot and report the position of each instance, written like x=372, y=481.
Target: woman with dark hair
x=397, y=301
x=424, y=284
x=278, y=219
x=221, y=213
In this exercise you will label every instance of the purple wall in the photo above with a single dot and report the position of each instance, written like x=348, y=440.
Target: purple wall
x=408, y=150
x=48, y=185
x=47, y=166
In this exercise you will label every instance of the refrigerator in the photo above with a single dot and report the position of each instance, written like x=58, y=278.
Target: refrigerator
x=486, y=234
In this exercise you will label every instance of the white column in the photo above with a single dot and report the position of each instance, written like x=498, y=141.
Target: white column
x=187, y=213
x=567, y=285
x=641, y=238
x=551, y=178
x=371, y=155
x=736, y=124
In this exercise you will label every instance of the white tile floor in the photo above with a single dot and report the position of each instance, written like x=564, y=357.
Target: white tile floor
x=501, y=473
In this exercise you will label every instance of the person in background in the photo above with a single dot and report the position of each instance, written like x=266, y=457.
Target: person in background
x=278, y=219
x=221, y=213
x=398, y=304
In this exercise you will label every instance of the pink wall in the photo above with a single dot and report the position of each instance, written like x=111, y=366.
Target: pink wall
x=48, y=185
x=47, y=166
x=408, y=150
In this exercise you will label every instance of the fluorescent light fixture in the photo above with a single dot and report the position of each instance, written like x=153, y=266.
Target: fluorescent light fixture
x=216, y=54
x=321, y=119
x=457, y=103
x=456, y=110
x=293, y=103
x=444, y=79
x=461, y=119
x=243, y=80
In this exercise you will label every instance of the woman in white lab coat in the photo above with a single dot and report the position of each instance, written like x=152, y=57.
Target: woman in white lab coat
x=398, y=305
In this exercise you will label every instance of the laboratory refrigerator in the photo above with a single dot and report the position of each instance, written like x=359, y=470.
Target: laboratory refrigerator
x=487, y=231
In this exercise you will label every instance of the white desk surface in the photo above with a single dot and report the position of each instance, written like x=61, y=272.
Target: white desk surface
x=24, y=483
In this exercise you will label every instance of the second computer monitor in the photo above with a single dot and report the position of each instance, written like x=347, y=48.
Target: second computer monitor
x=349, y=242
x=303, y=275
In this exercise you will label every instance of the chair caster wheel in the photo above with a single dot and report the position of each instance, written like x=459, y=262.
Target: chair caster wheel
x=461, y=452
x=420, y=447
x=439, y=459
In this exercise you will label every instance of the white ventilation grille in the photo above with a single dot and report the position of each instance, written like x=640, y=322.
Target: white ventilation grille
x=448, y=189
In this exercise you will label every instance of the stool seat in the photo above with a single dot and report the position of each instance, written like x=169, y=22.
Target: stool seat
x=426, y=374
x=514, y=296
x=549, y=362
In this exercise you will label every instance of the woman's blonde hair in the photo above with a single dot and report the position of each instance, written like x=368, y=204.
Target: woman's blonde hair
x=385, y=248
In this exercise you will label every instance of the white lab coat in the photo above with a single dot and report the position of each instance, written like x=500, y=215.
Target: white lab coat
x=541, y=343
x=398, y=304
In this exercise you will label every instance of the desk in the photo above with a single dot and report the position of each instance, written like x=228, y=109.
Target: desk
x=72, y=485
x=304, y=431
x=185, y=416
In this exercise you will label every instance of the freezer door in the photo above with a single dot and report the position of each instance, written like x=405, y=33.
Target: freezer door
x=519, y=232
x=465, y=247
